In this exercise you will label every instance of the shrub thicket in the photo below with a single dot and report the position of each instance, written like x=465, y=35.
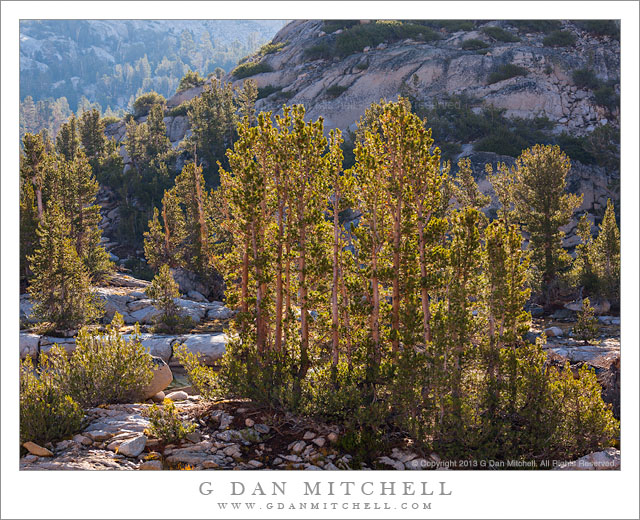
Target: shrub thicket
x=506, y=71
x=143, y=104
x=46, y=412
x=245, y=70
x=499, y=34
x=473, y=44
x=585, y=78
x=104, y=368
x=600, y=27
x=559, y=39
x=166, y=424
x=336, y=90
x=189, y=80
x=543, y=26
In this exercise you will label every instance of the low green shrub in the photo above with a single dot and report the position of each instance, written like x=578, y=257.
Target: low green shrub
x=267, y=90
x=203, y=379
x=575, y=147
x=109, y=120
x=473, y=44
x=143, y=104
x=271, y=48
x=330, y=26
x=356, y=38
x=189, y=80
x=336, y=90
x=363, y=65
x=606, y=96
x=543, y=26
x=499, y=34
x=449, y=25
x=559, y=39
x=506, y=71
x=600, y=27
x=181, y=110
x=585, y=78
x=46, y=412
x=104, y=367
x=251, y=68
x=319, y=51
x=165, y=423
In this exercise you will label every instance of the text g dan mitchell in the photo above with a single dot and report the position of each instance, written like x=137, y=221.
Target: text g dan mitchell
x=335, y=489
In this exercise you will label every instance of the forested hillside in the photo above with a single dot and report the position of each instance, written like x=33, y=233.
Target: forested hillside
x=71, y=65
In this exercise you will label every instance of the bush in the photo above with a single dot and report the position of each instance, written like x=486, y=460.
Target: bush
x=505, y=72
x=189, y=80
x=319, y=51
x=543, y=26
x=46, y=413
x=104, y=367
x=449, y=25
x=165, y=423
x=330, y=26
x=267, y=90
x=181, y=110
x=498, y=33
x=271, y=48
x=356, y=38
x=606, y=96
x=143, y=104
x=586, y=327
x=251, y=68
x=473, y=44
x=336, y=90
x=585, y=78
x=203, y=379
x=559, y=39
x=600, y=27
x=363, y=65
x=575, y=147
x=106, y=121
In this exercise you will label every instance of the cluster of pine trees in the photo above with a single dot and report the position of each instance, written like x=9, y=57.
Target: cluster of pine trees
x=413, y=319
x=60, y=242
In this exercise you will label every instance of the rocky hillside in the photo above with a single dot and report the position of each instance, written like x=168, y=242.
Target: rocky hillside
x=431, y=71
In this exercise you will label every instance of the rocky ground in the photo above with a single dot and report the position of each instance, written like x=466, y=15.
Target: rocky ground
x=229, y=435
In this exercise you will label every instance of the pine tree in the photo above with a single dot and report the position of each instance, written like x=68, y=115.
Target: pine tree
x=467, y=193
x=586, y=327
x=92, y=134
x=162, y=291
x=68, y=141
x=77, y=198
x=606, y=252
x=543, y=206
x=213, y=122
x=60, y=286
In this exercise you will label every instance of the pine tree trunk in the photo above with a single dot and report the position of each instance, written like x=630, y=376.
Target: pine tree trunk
x=278, y=318
x=426, y=311
x=304, y=316
x=335, y=325
x=395, y=303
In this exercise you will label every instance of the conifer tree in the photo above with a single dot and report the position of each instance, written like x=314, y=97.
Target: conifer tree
x=60, y=287
x=543, y=206
x=213, y=122
x=32, y=166
x=467, y=192
x=78, y=192
x=92, y=134
x=68, y=142
x=586, y=327
x=606, y=248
